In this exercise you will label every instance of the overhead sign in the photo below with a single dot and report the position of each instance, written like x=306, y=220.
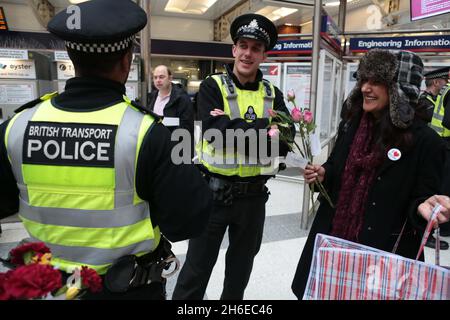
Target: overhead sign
x=17, y=69
x=427, y=8
x=3, y=24
x=419, y=44
x=14, y=54
x=292, y=46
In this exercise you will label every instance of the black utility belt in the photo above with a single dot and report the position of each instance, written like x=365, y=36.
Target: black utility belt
x=131, y=272
x=236, y=187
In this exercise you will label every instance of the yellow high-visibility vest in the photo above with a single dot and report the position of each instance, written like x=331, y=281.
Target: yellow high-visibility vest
x=438, y=113
x=76, y=175
x=244, y=104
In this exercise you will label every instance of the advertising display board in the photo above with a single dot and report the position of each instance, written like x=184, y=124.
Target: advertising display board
x=421, y=9
x=17, y=69
x=17, y=93
x=297, y=77
x=272, y=73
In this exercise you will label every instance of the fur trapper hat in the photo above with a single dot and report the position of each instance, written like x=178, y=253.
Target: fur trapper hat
x=401, y=72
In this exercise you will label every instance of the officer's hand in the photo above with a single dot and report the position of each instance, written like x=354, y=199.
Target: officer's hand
x=217, y=112
x=313, y=172
x=426, y=208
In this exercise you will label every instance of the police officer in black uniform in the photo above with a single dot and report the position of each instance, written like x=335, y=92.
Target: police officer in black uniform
x=101, y=49
x=240, y=195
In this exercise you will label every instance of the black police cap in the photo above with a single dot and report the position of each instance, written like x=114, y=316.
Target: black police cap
x=438, y=73
x=254, y=26
x=105, y=26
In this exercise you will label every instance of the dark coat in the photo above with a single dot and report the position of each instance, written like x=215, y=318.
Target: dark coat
x=400, y=186
x=179, y=106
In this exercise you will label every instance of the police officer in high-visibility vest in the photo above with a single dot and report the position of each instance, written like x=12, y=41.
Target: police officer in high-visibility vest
x=434, y=81
x=90, y=172
x=237, y=100
x=441, y=124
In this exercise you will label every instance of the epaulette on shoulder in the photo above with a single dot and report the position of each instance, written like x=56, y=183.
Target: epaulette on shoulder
x=146, y=111
x=34, y=102
x=28, y=105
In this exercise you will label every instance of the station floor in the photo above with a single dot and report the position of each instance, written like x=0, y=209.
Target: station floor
x=275, y=264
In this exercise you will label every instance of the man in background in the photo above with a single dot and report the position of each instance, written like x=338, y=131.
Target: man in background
x=170, y=101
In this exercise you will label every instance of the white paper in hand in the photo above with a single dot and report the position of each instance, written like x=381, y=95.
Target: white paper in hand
x=315, y=144
x=294, y=160
x=171, y=121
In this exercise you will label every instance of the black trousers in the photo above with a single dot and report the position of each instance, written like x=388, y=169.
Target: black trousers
x=244, y=219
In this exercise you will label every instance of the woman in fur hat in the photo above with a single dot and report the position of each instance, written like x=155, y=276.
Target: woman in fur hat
x=384, y=163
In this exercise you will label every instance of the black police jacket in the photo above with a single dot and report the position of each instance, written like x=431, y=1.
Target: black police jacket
x=179, y=106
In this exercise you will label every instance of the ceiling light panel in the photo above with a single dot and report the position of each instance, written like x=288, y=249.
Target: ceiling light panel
x=189, y=6
x=275, y=13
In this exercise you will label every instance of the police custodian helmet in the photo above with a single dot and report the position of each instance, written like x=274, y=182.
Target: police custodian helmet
x=254, y=26
x=99, y=26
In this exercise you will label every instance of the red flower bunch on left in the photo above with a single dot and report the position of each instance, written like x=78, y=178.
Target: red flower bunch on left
x=35, y=278
x=31, y=281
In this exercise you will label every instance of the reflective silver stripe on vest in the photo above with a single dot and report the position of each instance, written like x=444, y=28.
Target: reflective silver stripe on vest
x=231, y=97
x=126, y=144
x=229, y=85
x=269, y=97
x=119, y=217
x=96, y=256
x=15, y=147
x=437, y=129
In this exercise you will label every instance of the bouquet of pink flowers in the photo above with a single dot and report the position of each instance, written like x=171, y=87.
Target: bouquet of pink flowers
x=304, y=119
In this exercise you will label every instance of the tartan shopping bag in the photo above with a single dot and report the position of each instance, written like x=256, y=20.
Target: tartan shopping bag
x=344, y=270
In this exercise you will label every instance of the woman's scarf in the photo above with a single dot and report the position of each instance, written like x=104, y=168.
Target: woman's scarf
x=359, y=173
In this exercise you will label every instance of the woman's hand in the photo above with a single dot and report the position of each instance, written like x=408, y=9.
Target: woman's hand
x=217, y=112
x=313, y=172
x=425, y=208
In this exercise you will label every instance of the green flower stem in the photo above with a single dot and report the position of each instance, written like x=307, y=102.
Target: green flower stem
x=324, y=192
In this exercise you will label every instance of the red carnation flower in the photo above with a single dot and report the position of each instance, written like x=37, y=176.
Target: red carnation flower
x=32, y=281
x=17, y=254
x=4, y=295
x=91, y=280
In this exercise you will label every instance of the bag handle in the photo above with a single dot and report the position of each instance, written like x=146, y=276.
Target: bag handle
x=427, y=232
x=425, y=237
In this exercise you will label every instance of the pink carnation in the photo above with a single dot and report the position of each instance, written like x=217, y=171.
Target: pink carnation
x=296, y=115
x=273, y=132
x=308, y=116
